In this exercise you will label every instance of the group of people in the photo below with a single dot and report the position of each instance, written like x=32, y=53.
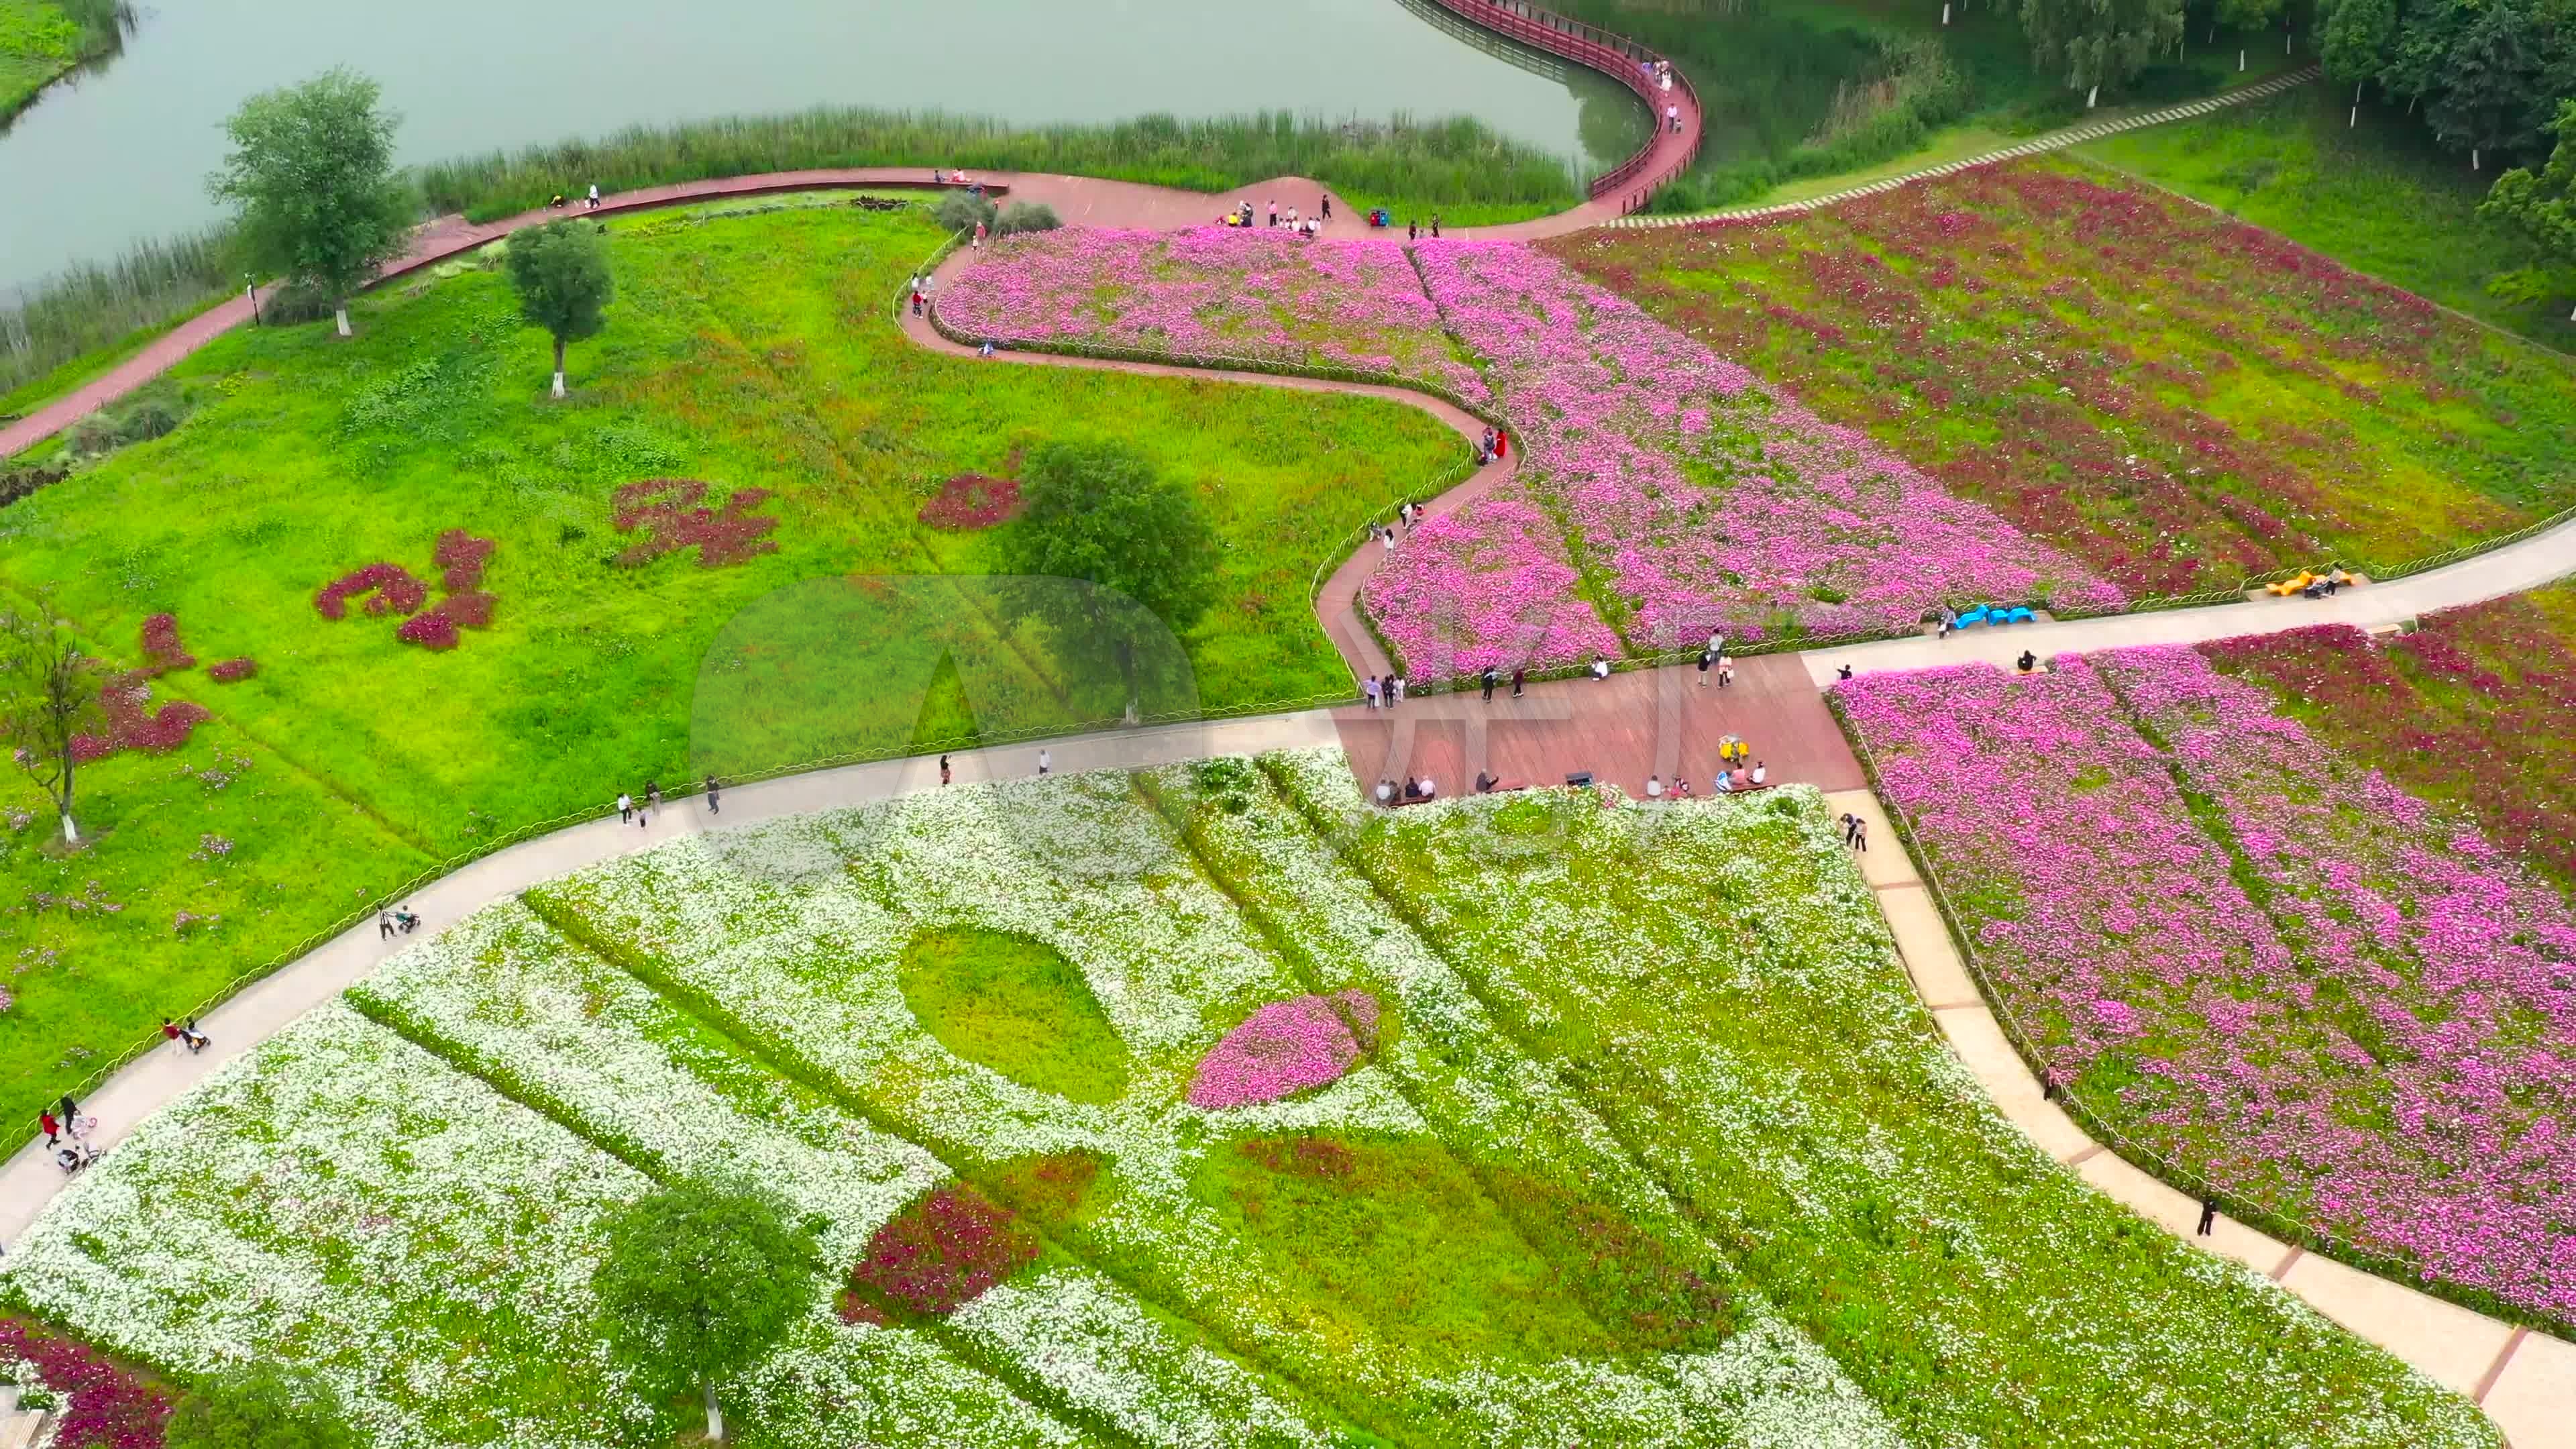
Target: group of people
x=1492, y=677
x=1855, y=832
x=392, y=921
x=1413, y=229
x=1384, y=691
x=1303, y=225
x=590, y=203
x=1490, y=447
x=921, y=285
x=639, y=811
x=186, y=1034
x=1414, y=791
x=62, y=1120
x=1715, y=660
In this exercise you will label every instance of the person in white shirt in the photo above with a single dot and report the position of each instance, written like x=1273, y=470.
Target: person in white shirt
x=1386, y=792
x=1046, y=761
x=1654, y=787
x=1760, y=770
x=1600, y=667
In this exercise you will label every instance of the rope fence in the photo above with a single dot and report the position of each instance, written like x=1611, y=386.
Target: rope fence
x=2150, y=1160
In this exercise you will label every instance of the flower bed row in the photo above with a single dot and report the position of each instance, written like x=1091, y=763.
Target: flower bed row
x=2177, y=399
x=2255, y=957
x=1256, y=293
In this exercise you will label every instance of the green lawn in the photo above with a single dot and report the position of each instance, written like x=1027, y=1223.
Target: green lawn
x=37, y=43
x=2380, y=198
x=753, y=351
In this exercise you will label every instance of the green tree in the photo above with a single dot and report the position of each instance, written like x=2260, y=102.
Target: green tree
x=2357, y=35
x=259, y=1409
x=1022, y=216
x=48, y=698
x=312, y=174
x=2426, y=31
x=702, y=1278
x=1097, y=512
x=2544, y=205
x=2490, y=96
x=560, y=271
x=2100, y=42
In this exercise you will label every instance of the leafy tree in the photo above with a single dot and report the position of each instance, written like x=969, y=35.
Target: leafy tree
x=48, y=696
x=312, y=174
x=560, y=271
x=2544, y=205
x=260, y=1409
x=2426, y=31
x=1097, y=512
x=702, y=1278
x=2490, y=97
x=2100, y=42
x=2357, y=36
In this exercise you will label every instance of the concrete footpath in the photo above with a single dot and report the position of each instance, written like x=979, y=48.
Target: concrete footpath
x=2525, y=1381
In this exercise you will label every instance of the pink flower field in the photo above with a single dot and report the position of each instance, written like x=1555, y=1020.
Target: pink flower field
x=1704, y=499
x=2256, y=956
x=1257, y=293
x=1285, y=1048
x=1664, y=492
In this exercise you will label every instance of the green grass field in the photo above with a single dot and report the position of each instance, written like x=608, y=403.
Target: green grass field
x=37, y=43
x=752, y=351
x=2378, y=198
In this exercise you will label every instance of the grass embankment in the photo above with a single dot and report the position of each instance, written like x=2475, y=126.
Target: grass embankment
x=1456, y=169
x=1812, y=95
x=43, y=40
x=2377, y=197
x=750, y=352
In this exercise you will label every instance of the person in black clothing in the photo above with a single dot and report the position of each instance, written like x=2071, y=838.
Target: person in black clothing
x=1435, y=225
x=1412, y=232
x=715, y=800
x=2028, y=661
x=2208, y=1216
x=1842, y=671
x=1491, y=679
x=1519, y=677
x=1485, y=782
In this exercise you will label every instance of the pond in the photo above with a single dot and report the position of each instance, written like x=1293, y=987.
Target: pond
x=121, y=154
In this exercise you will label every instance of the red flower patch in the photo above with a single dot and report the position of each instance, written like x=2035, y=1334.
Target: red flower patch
x=433, y=631
x=133, y=725
x=671, y=517
x=233, y=671
x=971, y=501
x=394, y=589
x=460, y=557
x=943, y=1252
x=162, y=651
x=105, y=1406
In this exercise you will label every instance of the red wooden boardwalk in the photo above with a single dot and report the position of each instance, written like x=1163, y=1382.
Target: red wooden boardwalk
x=1622, y=729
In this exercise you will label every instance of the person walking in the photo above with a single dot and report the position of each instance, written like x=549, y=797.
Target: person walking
x=71, y=1115
x=1502, y=443
x=715, y=796
x=1860, y=835
x=1519, y=678
x=1386, y=690
x=1725, y=671
x=1705, y=660
x=943, y=770
x=53, y=1128
x=197, y=1040
x=1490, y=680
x=1716, y=641
x=1673, y=114
x=594, y=196
x=625, y=808
x=170, y=1032
x=384, y=924
x=1274, y=214
x=1435, y=224
x=1388, y=538
x=978, y=242
x=653, y=794
x=1368, y=690
x=1325, y=207
x=2208, y=1217
x=1411, y=231
x=1046, y=762
x=1399, y=688
x=1847, y=821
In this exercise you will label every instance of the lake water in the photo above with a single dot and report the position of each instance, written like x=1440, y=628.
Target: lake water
x=122, y=154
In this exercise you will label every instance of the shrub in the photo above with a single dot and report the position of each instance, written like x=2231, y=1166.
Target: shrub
x=1023, y=216
x=959, y=211
x=433, y=631
x=162, y=651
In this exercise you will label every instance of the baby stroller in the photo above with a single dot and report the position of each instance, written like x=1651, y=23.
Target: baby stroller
x=74, y=1155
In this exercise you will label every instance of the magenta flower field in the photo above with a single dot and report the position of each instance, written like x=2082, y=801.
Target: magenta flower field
x=1261, y=293
x=2256, y=956
x=1664, y=491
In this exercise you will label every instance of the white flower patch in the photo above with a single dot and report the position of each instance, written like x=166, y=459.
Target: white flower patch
x=514, y=999
x=1111, y=1359
x=340, y=1200
x=1779, y=1391
x=836, y=1385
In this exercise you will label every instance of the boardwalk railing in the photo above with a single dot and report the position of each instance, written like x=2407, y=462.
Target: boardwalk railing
x=1615, y=56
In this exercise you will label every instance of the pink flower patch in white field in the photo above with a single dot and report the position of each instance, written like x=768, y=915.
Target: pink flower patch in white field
x=1285, y=1048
